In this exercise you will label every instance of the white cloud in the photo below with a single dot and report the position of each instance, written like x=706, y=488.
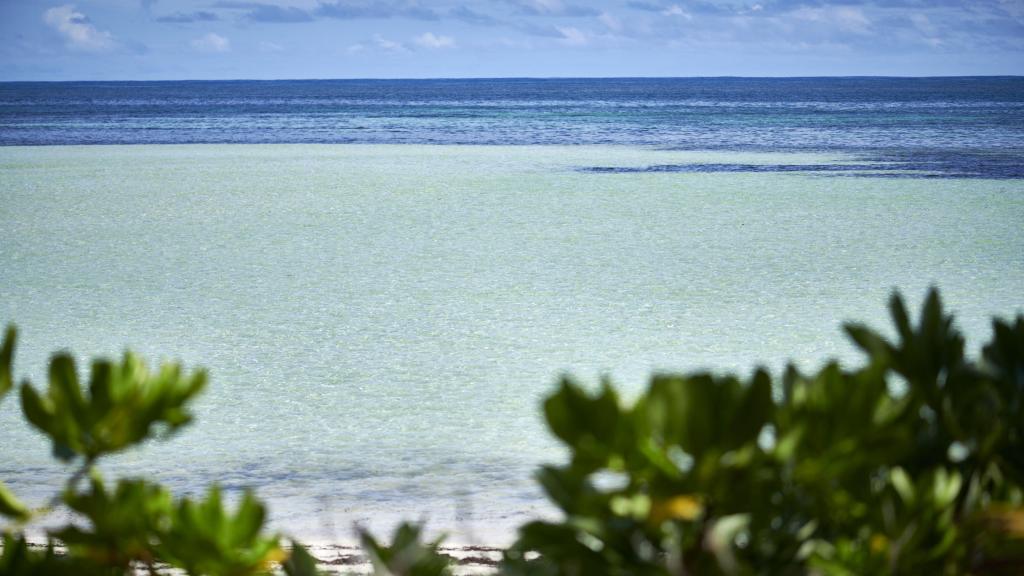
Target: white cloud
x=922, y=23
x=573, y=36
x=381, y=44
x=429, y=40
x=77, y=30
x=1014, y=8
x=506, y=42
x=545, y=6
x=852, y=19
x=610, y=21
x=675, y=10
x=388, y=45
x=845, y=18
x=928, y=31
x=211, y=43
x=266, y=46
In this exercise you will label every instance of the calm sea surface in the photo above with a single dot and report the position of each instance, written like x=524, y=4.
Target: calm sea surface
x=966, y=127
x=386, y=286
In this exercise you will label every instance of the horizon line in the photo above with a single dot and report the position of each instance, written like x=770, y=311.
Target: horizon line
x=449, y=78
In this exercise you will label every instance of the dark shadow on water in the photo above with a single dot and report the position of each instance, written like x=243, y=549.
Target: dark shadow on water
x=935, y=164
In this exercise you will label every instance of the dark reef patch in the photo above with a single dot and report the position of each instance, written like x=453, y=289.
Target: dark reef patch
x=995, y=165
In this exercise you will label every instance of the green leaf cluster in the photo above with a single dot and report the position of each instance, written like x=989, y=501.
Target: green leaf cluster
x=407, y=555
x=909, y=464
x=204, y=539
x=136, y=524
x=123, y=405
x=10, y=506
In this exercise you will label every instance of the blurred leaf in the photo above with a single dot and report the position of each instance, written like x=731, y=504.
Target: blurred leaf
x=704, y=414
x=1008, y=520
x=6, y=360
x=755, y=409
x=867, y=339
x=17, y=558
x=678, y=412
x=1005, y=354
x=1004, y=358
x=126, y=402
x=903, y=485
x=945, y=487
x=204, y=538
x=124, y=524
x=590, y=425
x=11, y=506
x=685, y=507
x=839, y=471
x=567, y=488
x=560, y=552
x=300, y=562
x=928, y=355
x=406, y=555
x=722, y=539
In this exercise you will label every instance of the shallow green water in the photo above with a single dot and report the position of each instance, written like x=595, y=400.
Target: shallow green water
x=381, y=321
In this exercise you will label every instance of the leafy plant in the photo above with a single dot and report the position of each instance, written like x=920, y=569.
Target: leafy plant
x=204, y=539
x=124, y=523
x=6, y=357
x=124, y=403
x=909, y=464
x=300, y=562
x=10, y=506
x=18, y=559
x=406, y=555
x=137, y=523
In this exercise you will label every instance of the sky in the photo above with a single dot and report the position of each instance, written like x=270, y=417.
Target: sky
x=241, y=39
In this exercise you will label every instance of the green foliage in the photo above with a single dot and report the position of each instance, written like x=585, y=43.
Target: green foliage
x=125, y=523
x=123, y=404
x=407, y=555
x=910, y=464
x=6, y=357
x=136, y=523
x=205, y=539
x=18, y=559
x=300, y=562
x=10, y=506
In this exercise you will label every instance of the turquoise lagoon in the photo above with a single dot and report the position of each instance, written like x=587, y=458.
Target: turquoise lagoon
x=380, y=322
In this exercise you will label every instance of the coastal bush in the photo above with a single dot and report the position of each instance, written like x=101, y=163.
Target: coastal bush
x=407, y=555
x=910, y=464
x=135, y=523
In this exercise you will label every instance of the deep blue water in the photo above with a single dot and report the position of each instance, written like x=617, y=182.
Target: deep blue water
x=953, y=127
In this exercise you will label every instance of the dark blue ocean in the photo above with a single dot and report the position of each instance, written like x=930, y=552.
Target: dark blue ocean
x=933, y=127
